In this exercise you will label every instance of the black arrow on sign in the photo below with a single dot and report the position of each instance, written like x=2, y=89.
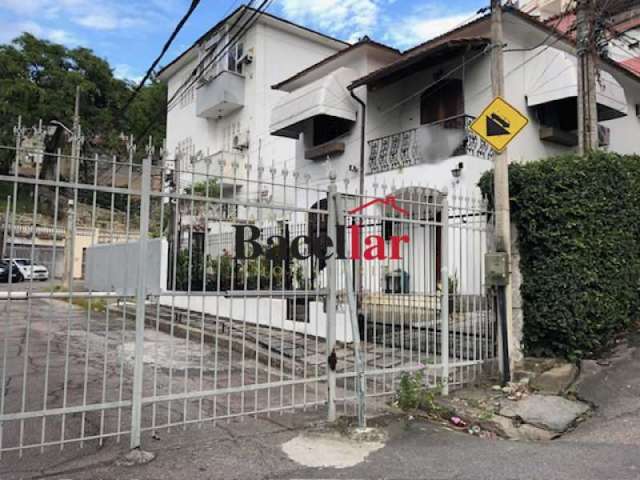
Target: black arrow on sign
x=496, y=125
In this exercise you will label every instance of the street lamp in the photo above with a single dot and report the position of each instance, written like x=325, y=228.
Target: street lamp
x=60, y=124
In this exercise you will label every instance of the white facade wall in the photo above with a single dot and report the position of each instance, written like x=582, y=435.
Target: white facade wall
x=396, y=108
x=625, y=131
x=266, y=312
x=278, y=54
x=318, y=170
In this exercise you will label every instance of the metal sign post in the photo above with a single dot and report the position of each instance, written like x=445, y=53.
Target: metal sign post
x=360, y=380
x=138, y=369
x=331, y=305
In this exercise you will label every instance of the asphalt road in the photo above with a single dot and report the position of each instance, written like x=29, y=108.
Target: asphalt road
x=605, y=447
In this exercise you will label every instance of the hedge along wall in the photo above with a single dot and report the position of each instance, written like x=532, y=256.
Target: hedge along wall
x=578, y=222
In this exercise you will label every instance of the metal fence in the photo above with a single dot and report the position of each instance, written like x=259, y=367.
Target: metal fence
x=331, y=298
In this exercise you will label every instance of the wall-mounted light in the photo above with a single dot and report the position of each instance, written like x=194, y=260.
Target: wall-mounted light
x=457, y=172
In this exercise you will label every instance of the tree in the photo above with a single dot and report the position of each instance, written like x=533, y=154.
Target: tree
x=38, y=80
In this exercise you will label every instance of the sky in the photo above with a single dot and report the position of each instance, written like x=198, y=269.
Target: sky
x=130, y=33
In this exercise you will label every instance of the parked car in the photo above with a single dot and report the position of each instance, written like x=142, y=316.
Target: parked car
x=16, y=276
x=28, y=271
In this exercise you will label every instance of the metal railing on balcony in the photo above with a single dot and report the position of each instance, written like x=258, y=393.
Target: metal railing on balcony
x=426, y=144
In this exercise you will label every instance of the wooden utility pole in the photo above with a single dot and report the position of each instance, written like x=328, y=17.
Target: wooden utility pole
x=587, y=109
x=501, y=193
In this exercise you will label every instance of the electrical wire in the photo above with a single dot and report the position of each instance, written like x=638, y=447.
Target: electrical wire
x=464, y=63
x=212, y=49
x=165, y=47
x=449, y=73
x=554, y=31
x=223, y=51
x=200, y=70
x=486, y=50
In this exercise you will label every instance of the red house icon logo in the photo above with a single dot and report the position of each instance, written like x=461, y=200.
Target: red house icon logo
x=390, y=201
x=375, y=247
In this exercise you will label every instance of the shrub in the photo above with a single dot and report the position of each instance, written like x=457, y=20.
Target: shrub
x=224, y=273
x=578, y=223
x=412, y=393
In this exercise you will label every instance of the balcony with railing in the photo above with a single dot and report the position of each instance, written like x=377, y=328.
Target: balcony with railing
x=218, y=96
x=426, y=144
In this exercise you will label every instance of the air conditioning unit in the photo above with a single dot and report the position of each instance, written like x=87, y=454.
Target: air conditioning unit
x=241, y=140
x=247, y=58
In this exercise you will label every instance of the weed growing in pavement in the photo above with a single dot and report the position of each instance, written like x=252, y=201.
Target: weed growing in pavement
x=413, y=394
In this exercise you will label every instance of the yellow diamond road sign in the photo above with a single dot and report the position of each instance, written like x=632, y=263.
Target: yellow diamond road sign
x=498, y=124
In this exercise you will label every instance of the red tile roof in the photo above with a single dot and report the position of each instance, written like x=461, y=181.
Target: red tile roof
x=632, y=64
x=478, y=31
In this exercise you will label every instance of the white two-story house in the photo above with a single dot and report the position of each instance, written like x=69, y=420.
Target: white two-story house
x=406, y=122
x=418, y=107
x=224, y=115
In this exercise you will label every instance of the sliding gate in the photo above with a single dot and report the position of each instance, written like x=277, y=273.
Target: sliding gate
x=175, y=297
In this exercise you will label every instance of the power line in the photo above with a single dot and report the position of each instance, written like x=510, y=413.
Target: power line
x=200, y=70
x=434, y=83
x=166, y=46
x=223, y=51
x=554, y=31
x=443, y=77
x=212, y=50
x=464, y=63
x=472, y=59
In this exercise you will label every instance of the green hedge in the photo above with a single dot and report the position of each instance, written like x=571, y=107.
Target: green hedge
x=578, y=221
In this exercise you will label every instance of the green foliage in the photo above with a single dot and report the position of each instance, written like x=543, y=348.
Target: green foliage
x=412, y=393
x=24, y=202
x=578, y=226
x=205, y=188
x=224, y=273
x=38, y=80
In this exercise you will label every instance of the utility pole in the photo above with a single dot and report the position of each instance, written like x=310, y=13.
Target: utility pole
x=501, y=193
x=587, y=109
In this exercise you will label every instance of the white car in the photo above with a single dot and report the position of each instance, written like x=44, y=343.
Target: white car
x=30, y=272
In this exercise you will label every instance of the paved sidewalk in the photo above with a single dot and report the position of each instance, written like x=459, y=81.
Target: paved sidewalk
x=252, y=450
x=604, y=447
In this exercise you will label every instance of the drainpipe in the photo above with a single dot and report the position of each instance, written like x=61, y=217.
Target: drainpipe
x=362, y=134
x=358, y=270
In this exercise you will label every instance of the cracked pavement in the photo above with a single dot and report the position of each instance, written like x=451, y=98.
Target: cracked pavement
x=604, y=447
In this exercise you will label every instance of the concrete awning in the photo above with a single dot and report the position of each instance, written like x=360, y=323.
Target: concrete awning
x=326, y=96
x=559, y=81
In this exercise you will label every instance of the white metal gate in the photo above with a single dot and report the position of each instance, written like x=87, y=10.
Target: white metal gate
x=158, y=319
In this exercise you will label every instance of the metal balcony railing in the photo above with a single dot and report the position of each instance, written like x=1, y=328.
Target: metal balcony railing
x=426, y=144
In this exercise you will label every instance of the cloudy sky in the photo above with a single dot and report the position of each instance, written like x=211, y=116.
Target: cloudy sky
x=130, y=33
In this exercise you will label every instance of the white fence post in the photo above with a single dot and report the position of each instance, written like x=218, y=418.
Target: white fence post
x=444, y=298
x=138, y=370
x=331, y=304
